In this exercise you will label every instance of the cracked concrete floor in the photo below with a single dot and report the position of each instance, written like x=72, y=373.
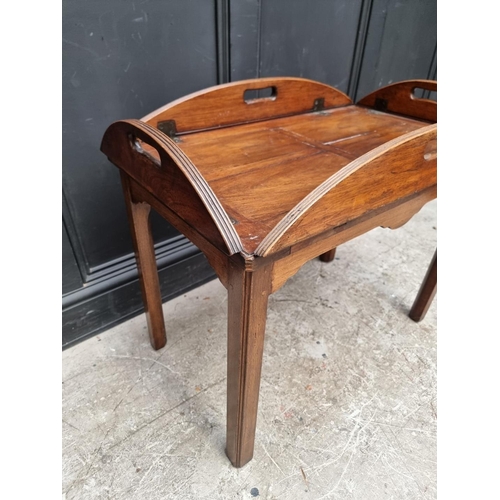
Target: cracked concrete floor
x=348, y=393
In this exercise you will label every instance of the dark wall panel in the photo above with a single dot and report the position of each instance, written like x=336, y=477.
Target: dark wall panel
x=244, y=34
x=314, y=39
x=100, y=312
x=122, y=59
x=400, y=43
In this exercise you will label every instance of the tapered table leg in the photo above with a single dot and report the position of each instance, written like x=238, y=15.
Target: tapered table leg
x=426, y=293
x=248, y=293
x=328, y=256
x=138, y=216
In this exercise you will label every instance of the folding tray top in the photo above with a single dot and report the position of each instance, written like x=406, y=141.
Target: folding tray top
x=275, y=167
x=260, y=171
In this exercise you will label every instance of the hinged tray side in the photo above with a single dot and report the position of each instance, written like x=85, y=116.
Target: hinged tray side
x=400, y=98
x=392, y=171
x=240, y=102
x=173, y=179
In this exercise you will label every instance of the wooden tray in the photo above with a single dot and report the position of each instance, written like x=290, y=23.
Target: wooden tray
x=262, y=185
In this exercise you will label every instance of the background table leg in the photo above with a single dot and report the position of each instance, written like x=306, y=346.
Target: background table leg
x=138, y=216
x=426, y=292
x=248, y=293
x=328, y=256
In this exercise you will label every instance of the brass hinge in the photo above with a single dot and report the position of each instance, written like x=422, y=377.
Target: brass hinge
x=168, y=127
x=381, y=104
x=319, y=104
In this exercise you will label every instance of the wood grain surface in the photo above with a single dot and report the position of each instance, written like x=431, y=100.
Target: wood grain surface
x=267, y=168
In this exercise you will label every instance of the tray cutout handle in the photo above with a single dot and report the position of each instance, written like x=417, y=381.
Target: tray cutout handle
x=136, y=144
x=124, y=143
x=430, y=151
x=422, y=91
x=252, y=96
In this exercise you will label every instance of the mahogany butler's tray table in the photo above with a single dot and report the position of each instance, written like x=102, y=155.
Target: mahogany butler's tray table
x=261, y=185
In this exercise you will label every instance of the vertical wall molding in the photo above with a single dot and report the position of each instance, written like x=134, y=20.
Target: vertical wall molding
x=71, y=272
x=222, y=14
x=433, y=67
x=359, y=49
x=74, y=239
x=259, y=39
x=432, y=74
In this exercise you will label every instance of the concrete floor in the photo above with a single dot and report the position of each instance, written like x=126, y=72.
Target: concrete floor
x=348, y=392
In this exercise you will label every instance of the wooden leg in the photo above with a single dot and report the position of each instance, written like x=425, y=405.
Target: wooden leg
x=248, y=293
x=328, y=256
x=426, y=292
x=138, y=216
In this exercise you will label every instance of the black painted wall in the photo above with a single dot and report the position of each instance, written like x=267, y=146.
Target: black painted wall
x=123, y=59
